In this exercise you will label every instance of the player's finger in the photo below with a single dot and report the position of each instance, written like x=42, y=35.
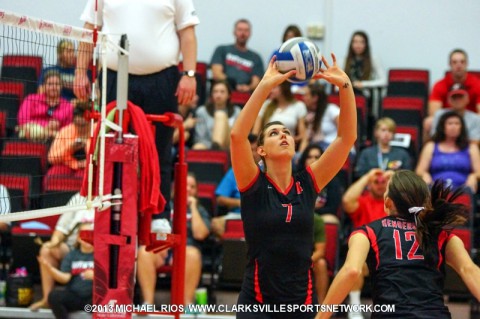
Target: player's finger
x=272, y=61
x=325, y=62
x=334, y=58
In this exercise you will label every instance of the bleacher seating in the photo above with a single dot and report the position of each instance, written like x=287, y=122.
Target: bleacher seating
x=409, y=83
x=22, y=68
x=207, y=198
x=18, y=187
x=11, y=98
x=408, y=111
x=208, y=165
x=362, y=114
x=234, y=254
x=25, y=158
x=239, y=98
x=59, y=189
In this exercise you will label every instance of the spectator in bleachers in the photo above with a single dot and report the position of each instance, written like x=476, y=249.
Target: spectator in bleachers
x=449, y=155
x=322, y=117
x=215, y=118
x=66, y=59
x=60, y=244
x=198, y=229
x=291, y=31
x=382, y=155
x=330, y=197
x=458, y=99
x=228, y=195
x=282, y=106
x=362, y=67
x=67, y=155
x=42, y=115
x=439, y=96
x=364, y=207
x=242, y=67
x=458, y=73
x=76, y=272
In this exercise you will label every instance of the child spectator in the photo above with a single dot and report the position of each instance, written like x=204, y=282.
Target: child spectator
x=76, y=272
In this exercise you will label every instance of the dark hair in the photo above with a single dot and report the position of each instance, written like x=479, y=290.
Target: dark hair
x=406, y=190
x=291, y=28
x=367, y=59
x=286, y=91
x=316, y=89
x=51, y=73
x=303, y=158
x=211, y=107
x=439, y=136
x=457, y=51
x=252, y=138
x=261, y=138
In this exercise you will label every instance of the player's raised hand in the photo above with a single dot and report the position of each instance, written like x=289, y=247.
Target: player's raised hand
x=273, y=77
x=333, y=73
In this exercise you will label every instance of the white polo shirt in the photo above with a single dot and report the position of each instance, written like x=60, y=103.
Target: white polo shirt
x=151, y=27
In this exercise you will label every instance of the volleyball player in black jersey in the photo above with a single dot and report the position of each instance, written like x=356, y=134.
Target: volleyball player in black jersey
x=277, y=206
x=406, y=252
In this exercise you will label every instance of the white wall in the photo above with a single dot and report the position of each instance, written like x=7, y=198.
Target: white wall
x=407, y=33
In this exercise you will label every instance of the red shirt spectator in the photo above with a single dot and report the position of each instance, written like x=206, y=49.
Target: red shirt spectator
x=369, y=209
x=472, y=85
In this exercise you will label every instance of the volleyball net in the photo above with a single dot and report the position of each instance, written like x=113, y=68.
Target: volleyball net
x=43, y=128
x=53, y=145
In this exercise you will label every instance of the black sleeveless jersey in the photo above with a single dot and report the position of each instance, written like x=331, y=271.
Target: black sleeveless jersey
x=399, y=273
x=279, y=234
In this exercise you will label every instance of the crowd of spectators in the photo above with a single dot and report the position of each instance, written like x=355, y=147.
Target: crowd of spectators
x=451, y=133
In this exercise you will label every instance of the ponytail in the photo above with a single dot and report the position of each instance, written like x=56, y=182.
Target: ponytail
x=432, y=210
x=443, y=214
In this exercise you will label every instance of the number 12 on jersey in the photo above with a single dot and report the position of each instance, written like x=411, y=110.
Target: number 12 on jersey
x=410, y=239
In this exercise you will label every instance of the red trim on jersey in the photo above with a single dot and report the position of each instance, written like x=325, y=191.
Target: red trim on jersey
x=442, y=238
x=252, y=182
x=278, y=188
x=258, y=293
x=309, y=170
x=308, y=300
x=373, y=243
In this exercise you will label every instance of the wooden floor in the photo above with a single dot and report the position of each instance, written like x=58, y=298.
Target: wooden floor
x=459, y=310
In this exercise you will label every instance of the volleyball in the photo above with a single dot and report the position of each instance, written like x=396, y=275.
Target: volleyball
x=299, y=54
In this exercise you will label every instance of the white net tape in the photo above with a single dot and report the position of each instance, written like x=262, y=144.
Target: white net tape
x=44, y=26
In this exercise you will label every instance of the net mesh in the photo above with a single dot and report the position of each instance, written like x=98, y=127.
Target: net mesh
x=43, y=130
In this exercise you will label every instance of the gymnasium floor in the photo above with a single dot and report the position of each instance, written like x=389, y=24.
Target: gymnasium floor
x=459, y=310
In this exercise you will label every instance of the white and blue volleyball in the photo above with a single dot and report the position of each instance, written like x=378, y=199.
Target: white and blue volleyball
x=299, y=54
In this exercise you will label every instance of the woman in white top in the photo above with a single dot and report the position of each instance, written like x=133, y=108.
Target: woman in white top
x=322, y=117
x=215, y=118
x=364, y=71
x=284, y=107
